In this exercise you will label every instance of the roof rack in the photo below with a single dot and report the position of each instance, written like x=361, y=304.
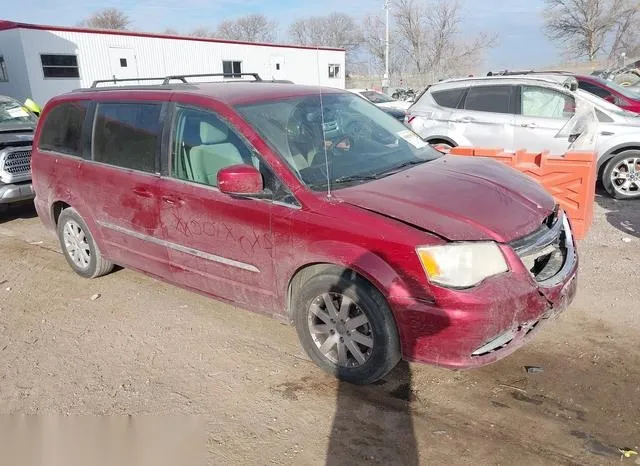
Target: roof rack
x=178, y=77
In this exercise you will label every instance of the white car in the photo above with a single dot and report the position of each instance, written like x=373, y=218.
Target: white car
x=535, y=112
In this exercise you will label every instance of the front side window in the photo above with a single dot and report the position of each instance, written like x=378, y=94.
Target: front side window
x=60, y=66
x=334, y=71
x=62, y=129
x=593, y=89
x=203, y=145
x=541, y=102
x=493, y=99
x=127, y=135
x=232, y=69
x=336, y=138
x=4, y=76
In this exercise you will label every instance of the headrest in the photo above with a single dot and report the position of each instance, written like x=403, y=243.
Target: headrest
x=210, y=134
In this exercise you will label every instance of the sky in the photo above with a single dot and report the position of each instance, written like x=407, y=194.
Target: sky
x=521, y=42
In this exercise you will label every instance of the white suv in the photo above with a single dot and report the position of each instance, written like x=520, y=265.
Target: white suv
x=536, y=112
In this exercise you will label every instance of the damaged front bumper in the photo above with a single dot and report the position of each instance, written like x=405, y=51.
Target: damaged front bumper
x=471, y=328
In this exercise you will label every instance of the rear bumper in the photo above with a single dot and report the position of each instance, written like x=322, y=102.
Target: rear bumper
x=16, y=192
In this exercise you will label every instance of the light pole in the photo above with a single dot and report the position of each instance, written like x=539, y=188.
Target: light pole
x=385, y=79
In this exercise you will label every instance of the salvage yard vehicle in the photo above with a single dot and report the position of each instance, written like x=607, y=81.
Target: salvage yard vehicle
x=310, y=204
x=17, y=125
x=533, y=112
x=395, y=108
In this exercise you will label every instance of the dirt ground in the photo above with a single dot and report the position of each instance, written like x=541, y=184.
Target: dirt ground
x=145, y=347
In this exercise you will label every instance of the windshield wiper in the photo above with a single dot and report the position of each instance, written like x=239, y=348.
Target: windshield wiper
x=397, y=168
x=350, y=178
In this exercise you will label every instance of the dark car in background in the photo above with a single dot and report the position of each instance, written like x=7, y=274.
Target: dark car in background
x=17, y=125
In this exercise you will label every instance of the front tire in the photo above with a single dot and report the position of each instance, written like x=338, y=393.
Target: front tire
x=621, y=176
x=346, y=327
x=79, y=247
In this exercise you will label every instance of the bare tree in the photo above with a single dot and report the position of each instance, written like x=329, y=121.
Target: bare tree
x=429, y=33
x=335, y=30
x=373, y=30
x=625, y=30
x=250, y=28
x=581, y=26
x=201, y=32
x=109, y=18
x=170, y=32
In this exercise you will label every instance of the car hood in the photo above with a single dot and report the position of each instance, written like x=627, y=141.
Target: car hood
x=16, y=136
x=458, y=198
x=398, y=105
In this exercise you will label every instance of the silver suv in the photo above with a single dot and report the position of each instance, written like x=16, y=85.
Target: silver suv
x=540, y=112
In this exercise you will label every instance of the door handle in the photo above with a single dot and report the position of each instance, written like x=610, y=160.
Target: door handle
x=142, y=192
x=172, y=200
x=465, y=120
x=529, y=125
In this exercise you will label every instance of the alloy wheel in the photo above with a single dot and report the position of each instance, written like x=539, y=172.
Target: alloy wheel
x=340, y=329
x=77, y=245
x=625, y=176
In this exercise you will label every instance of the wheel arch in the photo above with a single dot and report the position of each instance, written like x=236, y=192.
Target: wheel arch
x=440, y=140
x=611, y=153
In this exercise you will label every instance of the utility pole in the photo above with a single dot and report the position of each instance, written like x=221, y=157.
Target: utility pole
x=385, y=79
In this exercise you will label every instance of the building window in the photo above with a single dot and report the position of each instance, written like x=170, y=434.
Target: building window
x=123, y=63
x=277, y=66
x=60, y=66
x=334, y=71
x=4, y=76
x=231, y=69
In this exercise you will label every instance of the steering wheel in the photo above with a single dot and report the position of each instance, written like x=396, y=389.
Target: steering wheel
x=358, y=130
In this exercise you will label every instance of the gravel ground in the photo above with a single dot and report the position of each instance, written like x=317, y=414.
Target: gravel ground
x=143, y=347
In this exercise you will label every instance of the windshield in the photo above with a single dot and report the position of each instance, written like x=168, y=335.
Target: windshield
x=603, y=105
x=377, y=97
x=625, y=91
x=339, y=138
x=12, y=113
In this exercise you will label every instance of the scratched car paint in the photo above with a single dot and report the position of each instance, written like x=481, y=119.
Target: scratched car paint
x=316, y=207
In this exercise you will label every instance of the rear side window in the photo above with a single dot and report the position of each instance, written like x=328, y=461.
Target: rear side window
x=127, y=135
x=449, y=98
x=494, y=99
x=62, y=129
x=541, y=102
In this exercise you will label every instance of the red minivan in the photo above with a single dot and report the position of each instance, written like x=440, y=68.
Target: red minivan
x=310, y=204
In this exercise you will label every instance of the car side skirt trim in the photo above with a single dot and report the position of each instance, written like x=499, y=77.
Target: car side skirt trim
x=180, y=248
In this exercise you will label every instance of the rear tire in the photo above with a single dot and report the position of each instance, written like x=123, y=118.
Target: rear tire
x=346, y=327
x=622, y=169
x=79, y=247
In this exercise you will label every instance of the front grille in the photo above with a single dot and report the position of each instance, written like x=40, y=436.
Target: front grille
x=15, y=165
x=544, y=252
x=18, y=162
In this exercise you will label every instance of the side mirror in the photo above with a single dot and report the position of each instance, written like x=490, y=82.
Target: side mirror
x=241, y=180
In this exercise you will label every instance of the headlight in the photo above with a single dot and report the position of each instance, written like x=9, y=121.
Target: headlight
x=462, y=265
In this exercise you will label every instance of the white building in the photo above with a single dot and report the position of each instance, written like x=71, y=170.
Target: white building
x=43, y=61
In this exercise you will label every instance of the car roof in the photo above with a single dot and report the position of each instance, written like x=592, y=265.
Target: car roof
x=551, y=79
x=231, y=93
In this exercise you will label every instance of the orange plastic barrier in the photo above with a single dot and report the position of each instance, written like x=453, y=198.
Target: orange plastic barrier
x=570, y=178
